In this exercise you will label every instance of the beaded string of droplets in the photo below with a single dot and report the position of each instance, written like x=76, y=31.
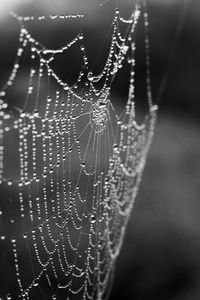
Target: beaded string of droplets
x=73, y=234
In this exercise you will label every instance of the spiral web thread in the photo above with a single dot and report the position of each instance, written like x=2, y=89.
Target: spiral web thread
x=70, y=168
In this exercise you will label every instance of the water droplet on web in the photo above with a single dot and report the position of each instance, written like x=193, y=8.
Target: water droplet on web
x=59, y=119
x=35, y=283
x=16, y=66
x=124, y=49
x=90, y=76
x=82, y=48
x=13, y=239
x=45, y=51
x=25, y=235
x=93, y=219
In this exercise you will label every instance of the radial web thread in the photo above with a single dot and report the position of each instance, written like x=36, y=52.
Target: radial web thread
x=70, y=167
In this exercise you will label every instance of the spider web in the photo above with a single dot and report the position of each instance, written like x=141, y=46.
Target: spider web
x=70, y=167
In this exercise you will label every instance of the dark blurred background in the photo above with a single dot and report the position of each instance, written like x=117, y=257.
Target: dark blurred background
x=160, y=258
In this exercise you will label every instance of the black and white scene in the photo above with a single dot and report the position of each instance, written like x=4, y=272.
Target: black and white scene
x=99, y=150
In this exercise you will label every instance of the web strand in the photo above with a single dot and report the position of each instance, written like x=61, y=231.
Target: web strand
x=70, y=166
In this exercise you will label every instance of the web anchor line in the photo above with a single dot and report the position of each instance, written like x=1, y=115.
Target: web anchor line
x=70, y=166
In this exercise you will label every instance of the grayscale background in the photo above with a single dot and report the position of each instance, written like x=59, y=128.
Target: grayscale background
x=160, y=258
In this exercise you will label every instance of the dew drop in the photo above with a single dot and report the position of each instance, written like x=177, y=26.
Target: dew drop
x=66, y=87
x=90, y=76
x=16, y=66
x=45, y=51
x=25, y=235
x=35, y=283
x=13, y=239
x=93, y=219
x=8, y=297
x=124, y=49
